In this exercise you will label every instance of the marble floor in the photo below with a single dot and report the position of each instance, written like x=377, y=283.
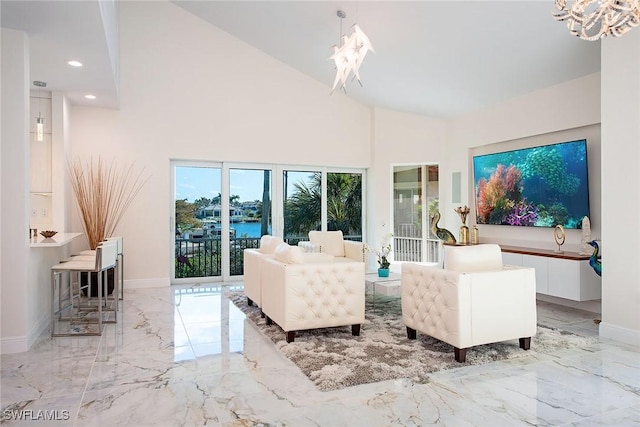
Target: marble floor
x=186, y=356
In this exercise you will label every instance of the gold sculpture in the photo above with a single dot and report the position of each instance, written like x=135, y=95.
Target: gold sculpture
x=559, y=236
x=464, y=230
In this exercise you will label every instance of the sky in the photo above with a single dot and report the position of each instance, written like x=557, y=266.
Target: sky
x=195, y=182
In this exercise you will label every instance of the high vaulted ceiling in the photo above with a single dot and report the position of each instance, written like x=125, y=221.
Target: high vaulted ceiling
x=438, y=58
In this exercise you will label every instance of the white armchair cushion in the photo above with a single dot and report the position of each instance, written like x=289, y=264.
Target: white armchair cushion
x=289, y=254
x=485, y=257
x=330, y=242
x=268, y=244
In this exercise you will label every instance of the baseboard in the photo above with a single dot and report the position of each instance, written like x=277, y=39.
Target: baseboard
x=618, y=333
x=23, y=343
x=147, y=283
x=13, y=345
x=594, y=306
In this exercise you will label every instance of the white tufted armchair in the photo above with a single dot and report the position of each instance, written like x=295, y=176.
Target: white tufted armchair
x=474, y=300
x=312, y=291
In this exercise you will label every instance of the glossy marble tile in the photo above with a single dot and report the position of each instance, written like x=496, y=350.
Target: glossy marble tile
x=186, y=356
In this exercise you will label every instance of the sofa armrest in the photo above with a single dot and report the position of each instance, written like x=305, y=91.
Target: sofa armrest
x=253, y=260
x=354, y=250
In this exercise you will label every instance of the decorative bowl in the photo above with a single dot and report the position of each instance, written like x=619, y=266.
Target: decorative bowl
x=48, y=233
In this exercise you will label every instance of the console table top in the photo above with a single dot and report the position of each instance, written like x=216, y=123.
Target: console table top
x=544, y=252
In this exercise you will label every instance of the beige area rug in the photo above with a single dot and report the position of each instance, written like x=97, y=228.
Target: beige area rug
x=332, y=358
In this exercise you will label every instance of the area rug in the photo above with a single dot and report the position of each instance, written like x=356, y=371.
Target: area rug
x=333, y=359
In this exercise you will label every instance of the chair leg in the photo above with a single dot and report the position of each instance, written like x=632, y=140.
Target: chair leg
x=460, y=354
x=53, y=302
x=355, y=330
x=100, y=302
x=121, y=269
x=411, y=333
x=291, y=335
x=525, y=343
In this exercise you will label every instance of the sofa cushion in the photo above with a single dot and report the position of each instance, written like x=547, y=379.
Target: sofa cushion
x=485, y=257
x=268, y=244
x=330, y=242
x=289, y=254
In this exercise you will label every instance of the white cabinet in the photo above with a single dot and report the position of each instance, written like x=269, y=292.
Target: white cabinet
x=573, y=280
x=565, y=275
x=542, y=270
x=511, y=258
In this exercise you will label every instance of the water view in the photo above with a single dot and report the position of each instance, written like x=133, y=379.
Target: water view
x=247, y=229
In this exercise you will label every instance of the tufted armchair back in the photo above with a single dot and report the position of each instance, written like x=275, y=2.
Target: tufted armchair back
x=333, y=243
x=485, y=257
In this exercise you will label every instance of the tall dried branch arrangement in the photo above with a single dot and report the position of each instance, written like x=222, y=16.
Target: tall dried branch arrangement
x=104, y=192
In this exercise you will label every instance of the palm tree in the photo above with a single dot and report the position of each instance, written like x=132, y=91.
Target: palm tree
x=344, y=204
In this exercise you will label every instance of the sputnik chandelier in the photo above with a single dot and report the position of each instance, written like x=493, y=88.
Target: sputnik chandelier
x=349, y=56
x=594, y=19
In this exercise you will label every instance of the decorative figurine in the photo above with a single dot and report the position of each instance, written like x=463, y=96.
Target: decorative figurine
x=559, y=237
x=442, y=233
x=585, y=244
x=594, y=262
x=464, y=230
x=475, y=235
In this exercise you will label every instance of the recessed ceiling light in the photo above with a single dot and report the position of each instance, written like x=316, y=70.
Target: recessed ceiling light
x=75, y=63
x=90, y=96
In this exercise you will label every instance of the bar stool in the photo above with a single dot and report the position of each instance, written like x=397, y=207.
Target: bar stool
x=120, y=260
x=105, y=259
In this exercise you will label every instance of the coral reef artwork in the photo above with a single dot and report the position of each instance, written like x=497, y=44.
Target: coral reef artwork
x=542, y=186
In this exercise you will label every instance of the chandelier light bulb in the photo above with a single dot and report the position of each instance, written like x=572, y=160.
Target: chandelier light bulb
x=348, y=57
x=593, y=19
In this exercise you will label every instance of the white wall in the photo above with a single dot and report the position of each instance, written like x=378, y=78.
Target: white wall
x=191, y=91
x=14, y=204
x=621, y=188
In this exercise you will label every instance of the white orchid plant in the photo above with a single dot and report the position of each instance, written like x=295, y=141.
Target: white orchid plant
x=383, y=253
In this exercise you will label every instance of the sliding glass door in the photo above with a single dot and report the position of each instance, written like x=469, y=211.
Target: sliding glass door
x=322, y=200
x=197, y=193
x=221, y=209
x=249, y=213
x=415, y=202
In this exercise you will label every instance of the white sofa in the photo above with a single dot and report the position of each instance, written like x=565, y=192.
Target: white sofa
x=473, y=300
x=333, y=243
x=253, y=259
x=309, y=291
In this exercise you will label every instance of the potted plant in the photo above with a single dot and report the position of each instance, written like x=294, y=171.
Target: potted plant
x=382, y=255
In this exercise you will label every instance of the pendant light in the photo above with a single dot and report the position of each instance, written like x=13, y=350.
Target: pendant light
x=39, y=119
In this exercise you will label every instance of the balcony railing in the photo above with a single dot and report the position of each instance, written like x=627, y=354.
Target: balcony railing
x=202, y=257
x=410, y=249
